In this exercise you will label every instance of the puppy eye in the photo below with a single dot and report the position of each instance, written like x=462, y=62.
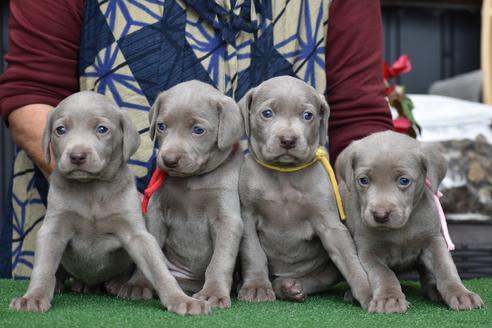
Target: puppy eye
x=363, y=181
x=308, y=116
x=198, y=130
x=60, y=130
x=101, y=129
x=267, y=113
x=161, y=126
x=404, y=182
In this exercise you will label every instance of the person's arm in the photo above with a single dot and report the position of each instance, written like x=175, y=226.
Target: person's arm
x=354, y=68
x=42, y=67
x=26, y=127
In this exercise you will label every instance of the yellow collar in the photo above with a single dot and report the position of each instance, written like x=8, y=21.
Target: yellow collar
x=320, y=155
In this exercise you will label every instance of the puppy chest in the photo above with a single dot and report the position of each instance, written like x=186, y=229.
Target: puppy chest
x=86, y=244
x=189, y=241
x=285, y=205
x=401, y=258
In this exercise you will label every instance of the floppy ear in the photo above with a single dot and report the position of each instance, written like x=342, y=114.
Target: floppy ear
x=344, y=166
x=323, y=126
x=131, y=138
x=230, y=123
x=154, y=113
x=47, y=136
x=434, y=164
x=245, y=107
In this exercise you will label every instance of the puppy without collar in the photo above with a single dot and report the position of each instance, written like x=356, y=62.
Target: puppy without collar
x=395, y=220
x=195, y=215
x=93, y=224
x=293, y=233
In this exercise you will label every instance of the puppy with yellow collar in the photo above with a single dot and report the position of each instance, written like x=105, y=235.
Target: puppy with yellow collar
x=294, y=242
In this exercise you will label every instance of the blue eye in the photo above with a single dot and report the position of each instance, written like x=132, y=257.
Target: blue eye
x=198, y=130
x=60, y=130
x=404, y=181
x=101, y=129
x=161, y=126
x=363, y=181
x=308, y=116
x=267, y=113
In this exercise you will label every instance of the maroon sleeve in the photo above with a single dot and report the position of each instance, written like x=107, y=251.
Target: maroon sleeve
x=354, y=68
x=43, y=53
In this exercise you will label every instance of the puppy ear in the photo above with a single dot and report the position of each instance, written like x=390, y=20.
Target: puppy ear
x=245, y=107
x=154, y=113
x=230, y=123
x=131, y=138
x=344, y=166
x=323, y=126
x=434, y=164
x=47, y=136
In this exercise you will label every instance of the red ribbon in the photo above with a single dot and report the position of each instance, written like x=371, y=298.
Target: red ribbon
x=158, y=178
x=401, y=66
x=402, y=124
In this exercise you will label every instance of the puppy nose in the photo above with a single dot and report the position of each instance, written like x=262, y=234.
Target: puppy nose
x=171, y=161
x=381, y=215
x=78, y=158
x=288, y=142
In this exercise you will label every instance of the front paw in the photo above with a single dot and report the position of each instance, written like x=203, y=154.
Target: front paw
x=30, y=303
x=251, y=292
x=388, y=303
x=185, y=305
x=216, y=298
x=134, y=291
x=463, y=300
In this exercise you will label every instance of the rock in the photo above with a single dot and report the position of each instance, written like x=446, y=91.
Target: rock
x=476, y=173
x=467, y=187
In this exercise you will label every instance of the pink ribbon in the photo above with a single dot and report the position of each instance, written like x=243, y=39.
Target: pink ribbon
x=442, y=217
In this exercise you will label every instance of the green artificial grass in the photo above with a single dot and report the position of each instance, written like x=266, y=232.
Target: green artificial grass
x=328, y=310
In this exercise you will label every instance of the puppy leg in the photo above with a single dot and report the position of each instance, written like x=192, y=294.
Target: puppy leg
x=341, y=249
x=449, y=284
x=227, y=233
x=145, y=251
x=388, y=297
x=138, y=287
x=51, y=241
x=256, y=286
x=428, y=283
x=296, y=289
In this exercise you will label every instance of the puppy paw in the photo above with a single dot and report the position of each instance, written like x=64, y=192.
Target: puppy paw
x=30, y=303
x=215, y=298
x=289, y=289
x=464, y=300
x=388, y=304
x=78, y=286
x=135, y=291
x=256, y=293
x=185, y=305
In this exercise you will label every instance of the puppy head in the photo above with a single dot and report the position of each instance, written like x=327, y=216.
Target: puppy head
x=286, y=120
x=195, y=127
x=387, y=171
x=89, y=136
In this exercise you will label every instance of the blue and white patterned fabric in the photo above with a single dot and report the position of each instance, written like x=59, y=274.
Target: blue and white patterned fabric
x=133, y=49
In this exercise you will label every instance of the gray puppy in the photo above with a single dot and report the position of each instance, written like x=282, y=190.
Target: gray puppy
x=93, y=224
x=195, y=216
x=293, y=233
x=395, y=221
